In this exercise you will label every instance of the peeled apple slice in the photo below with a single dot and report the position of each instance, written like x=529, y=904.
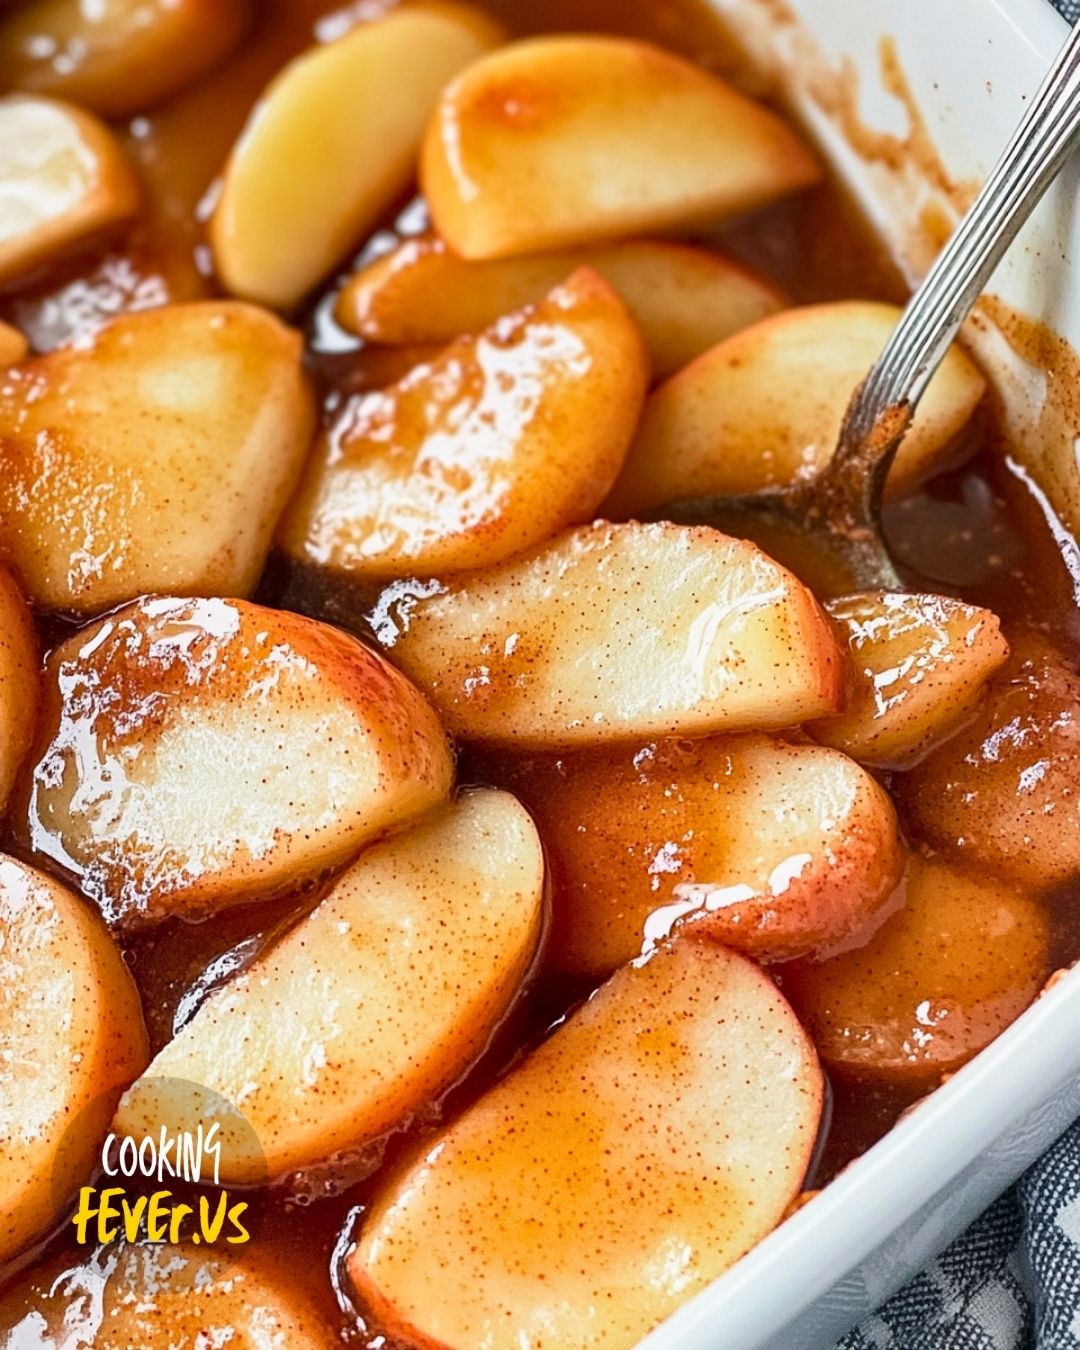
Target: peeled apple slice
x=616, y=632
x=638, y=1153
x=558, y=141
x=684, y=299
x=394, y=985
x=156, y=456
x=492, y=446
x=765, y=407
x=71, y=1039
x=196, y=754
x=332, y=144
x=776, y=850
x=63, y=180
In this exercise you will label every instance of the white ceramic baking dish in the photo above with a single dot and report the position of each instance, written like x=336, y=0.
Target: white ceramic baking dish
x=968, y=66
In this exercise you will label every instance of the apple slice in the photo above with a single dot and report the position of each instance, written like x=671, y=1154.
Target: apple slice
x=1004, y=792
x=63, y=180
x=947, y=973
x=918, y=668
x=195, y=754
x=160, y=1297
x=13, y=345
x=564, y=140
x=19, y=661
x=116, y=57
x=71, y=1039
x=683, y=299
x=626, y=1163
x=393, y=986
x=777, y=850
x=617, y=632
x=499, y=442
x=765, y=407
x=288, y=213
x=155, y=457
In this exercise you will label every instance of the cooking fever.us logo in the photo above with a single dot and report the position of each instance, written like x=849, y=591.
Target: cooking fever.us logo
x=106, y=1213
x=163, y=1182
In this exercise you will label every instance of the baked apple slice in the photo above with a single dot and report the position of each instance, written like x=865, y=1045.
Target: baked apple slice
x=1004, y=792
x=684, y=299
x=155, y=457
x=564, y=140
x=628, y=1161
x=116, y=57
x=956, y=965
x=332, y=144
x=918, y=668
x=63, y=181
x=617, y=632
x=160, y=1297
x=19, y=661
x=765, y=407
x=777, y=850
x=13, y=345
x=72, y=1038
x=393, y=986
x=496, y=444
x=196, y=754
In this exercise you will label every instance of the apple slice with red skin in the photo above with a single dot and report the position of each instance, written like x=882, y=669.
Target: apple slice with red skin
x=623, y=1165
x=950, y=970
x=393, y=986
x=1004, y=792
x=196, y=754
x=918, y=667
x=777, y=850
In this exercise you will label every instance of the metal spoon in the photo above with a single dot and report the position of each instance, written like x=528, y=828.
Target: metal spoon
x=839, y=508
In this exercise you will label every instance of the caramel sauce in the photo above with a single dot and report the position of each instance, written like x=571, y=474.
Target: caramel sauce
x=980, y=531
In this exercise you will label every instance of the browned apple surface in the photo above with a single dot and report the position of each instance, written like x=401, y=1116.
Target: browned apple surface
x=616, y=632
x=959, y=962
x=1005, y=791
x=684, y=299
x=918, y=667
x=63, y=181
x=71, y=1039
x=199, y=753
x=489, y=448
x=156, y=457
x=633, y=1157
x=19, y=679
x=116, y=56
x=394, y=985
x=765, y=407
x=774, y=849
x=160, y=1297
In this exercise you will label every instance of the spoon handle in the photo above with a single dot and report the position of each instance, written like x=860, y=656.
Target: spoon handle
x=1048, y=131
